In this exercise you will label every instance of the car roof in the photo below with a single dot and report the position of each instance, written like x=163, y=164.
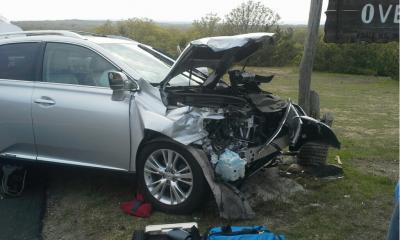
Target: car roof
x=62, y=36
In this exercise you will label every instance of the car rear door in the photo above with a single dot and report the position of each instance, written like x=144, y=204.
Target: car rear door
x=74, y=117
x=19, y=64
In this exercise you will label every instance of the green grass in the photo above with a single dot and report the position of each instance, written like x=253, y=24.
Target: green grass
x=358, y=206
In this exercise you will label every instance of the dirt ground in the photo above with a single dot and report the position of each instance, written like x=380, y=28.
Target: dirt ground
x=84, y=203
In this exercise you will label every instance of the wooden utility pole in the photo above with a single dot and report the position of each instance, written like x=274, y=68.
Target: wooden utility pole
x=307, y=61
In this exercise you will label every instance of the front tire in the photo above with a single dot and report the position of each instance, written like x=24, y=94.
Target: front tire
x=170, y=177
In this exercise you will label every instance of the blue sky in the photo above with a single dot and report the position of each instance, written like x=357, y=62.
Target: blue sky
x=291, y=11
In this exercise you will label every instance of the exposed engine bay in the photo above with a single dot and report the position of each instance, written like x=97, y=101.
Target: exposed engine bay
x=245, y=121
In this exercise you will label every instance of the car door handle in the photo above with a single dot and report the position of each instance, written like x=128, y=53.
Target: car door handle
x=45, y=101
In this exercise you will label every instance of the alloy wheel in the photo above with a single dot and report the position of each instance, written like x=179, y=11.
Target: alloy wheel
x=168, y=176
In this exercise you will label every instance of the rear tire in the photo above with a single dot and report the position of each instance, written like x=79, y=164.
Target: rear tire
x=178, y=187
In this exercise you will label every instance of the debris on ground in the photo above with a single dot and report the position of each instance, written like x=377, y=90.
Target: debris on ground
x=319, y=171
x=338, y=160
x=295, y=169
x=278, y=188
x=315, y=205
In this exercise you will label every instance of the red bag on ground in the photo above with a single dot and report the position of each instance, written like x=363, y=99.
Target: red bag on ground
x=137, y=207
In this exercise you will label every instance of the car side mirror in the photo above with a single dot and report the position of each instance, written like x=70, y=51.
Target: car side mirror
x=119, y=81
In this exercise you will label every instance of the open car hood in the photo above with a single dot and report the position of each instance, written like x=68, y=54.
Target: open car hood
x=217, y=53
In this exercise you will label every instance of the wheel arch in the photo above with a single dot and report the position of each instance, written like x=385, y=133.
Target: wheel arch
x=149, y=137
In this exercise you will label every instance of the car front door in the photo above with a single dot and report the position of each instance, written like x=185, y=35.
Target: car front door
x=18, y=71
x=75, y=119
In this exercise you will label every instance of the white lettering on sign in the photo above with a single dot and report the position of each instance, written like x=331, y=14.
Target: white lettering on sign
x=397, y=14
x=368, y=13
x=385, y=15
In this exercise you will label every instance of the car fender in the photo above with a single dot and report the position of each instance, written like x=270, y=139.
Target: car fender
x=314, y=131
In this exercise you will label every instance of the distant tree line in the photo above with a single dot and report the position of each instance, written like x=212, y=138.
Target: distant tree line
x=253, y=16
x=71, y=24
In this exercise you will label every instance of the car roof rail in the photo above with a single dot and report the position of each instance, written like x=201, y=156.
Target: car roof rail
x=119, y=37
x=102, y=35
x=83, y=33
x=65, y=33
x=40, y=33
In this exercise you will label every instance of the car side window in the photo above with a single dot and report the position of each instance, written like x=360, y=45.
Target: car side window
x=18, y=61
x=72, y=64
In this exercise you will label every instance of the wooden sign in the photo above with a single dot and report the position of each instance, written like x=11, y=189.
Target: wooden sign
x=362, y=21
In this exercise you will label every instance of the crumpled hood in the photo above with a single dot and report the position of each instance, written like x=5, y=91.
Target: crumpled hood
x=217, y=53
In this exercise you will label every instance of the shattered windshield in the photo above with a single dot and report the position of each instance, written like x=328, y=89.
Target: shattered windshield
x=148, y=66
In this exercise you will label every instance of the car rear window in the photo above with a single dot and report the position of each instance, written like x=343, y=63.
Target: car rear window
x=18, y=61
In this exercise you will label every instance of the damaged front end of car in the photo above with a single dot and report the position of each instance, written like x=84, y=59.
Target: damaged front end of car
x=232, y=126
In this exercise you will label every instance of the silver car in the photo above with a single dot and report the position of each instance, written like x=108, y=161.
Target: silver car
x=185, y=126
